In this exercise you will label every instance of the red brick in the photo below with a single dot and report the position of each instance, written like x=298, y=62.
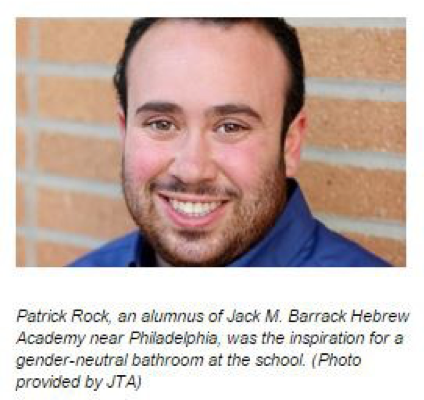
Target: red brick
x=77, y=99
x=360, y=53
x=21, y=96
x=354, y=192
x=82, y=213
x=82, y=40
x=20, y=251
x=357, y=124
x=22, y=37
x=57, y=255
x=20, y=148
x=81, y=157
x=20, y=204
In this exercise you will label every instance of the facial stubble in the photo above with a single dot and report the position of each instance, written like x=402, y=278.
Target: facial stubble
x=247, y=222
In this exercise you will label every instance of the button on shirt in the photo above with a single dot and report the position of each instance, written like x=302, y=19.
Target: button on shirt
x=296, y=240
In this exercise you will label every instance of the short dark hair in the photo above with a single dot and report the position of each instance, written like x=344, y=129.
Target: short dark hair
x=284, y=34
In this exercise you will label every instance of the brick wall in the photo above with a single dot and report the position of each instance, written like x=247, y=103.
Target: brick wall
x=68, y=161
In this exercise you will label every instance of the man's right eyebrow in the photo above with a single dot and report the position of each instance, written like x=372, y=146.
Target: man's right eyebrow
x=159, y=107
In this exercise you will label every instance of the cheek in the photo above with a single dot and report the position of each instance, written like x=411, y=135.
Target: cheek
x=246, y=165
x=144, y=160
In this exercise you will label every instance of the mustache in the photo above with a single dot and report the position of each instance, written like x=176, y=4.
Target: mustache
x=200, y=189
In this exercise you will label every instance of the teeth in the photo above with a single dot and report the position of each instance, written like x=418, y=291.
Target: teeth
x=194, y=209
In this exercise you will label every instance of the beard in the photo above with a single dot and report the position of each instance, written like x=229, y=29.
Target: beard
x=247, y=220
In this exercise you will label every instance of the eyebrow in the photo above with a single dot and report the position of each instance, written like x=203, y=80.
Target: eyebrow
x=234, y=108
x=159, y=106
x=219, y=110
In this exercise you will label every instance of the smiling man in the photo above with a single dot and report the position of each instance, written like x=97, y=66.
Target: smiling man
x=212, y=121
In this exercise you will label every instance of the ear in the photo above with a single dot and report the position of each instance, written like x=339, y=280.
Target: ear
x=122, y=124
x=293, y=143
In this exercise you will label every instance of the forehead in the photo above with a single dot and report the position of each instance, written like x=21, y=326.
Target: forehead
x=182, y=55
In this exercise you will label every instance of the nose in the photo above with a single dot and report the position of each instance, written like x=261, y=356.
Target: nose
x=193, y=161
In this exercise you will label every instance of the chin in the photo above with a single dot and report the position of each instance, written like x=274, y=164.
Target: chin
x=182, y=260
x=193, y=257
x=188, y=248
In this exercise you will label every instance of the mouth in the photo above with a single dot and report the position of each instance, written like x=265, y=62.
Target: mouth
x=194, y=209
x=188, y=211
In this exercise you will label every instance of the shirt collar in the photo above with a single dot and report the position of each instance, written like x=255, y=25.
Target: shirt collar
x=286, y=238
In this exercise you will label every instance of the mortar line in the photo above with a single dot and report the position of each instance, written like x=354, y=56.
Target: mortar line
x=350, y=88
x=64, y=238
x=385, y=229
x=348, y=22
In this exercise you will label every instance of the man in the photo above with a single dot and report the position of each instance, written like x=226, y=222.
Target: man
x=212, y=122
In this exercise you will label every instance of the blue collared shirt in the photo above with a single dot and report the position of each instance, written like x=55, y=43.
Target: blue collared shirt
x=296, y=240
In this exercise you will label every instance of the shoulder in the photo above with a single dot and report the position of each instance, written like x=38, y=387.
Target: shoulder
x=117, y=253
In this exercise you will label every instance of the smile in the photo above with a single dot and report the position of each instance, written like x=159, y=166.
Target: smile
x=190, y=211
x=194, y=209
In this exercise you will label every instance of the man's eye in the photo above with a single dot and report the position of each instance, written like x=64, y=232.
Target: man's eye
x=230, y=127
x=161, y=125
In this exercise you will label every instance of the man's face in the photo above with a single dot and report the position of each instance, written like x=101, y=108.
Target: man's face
x=203, y=167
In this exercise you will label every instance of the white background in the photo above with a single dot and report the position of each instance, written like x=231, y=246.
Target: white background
x=396, y=375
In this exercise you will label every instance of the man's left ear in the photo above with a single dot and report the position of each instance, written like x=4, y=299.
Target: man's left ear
x=121, y=123
x=293, y=143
